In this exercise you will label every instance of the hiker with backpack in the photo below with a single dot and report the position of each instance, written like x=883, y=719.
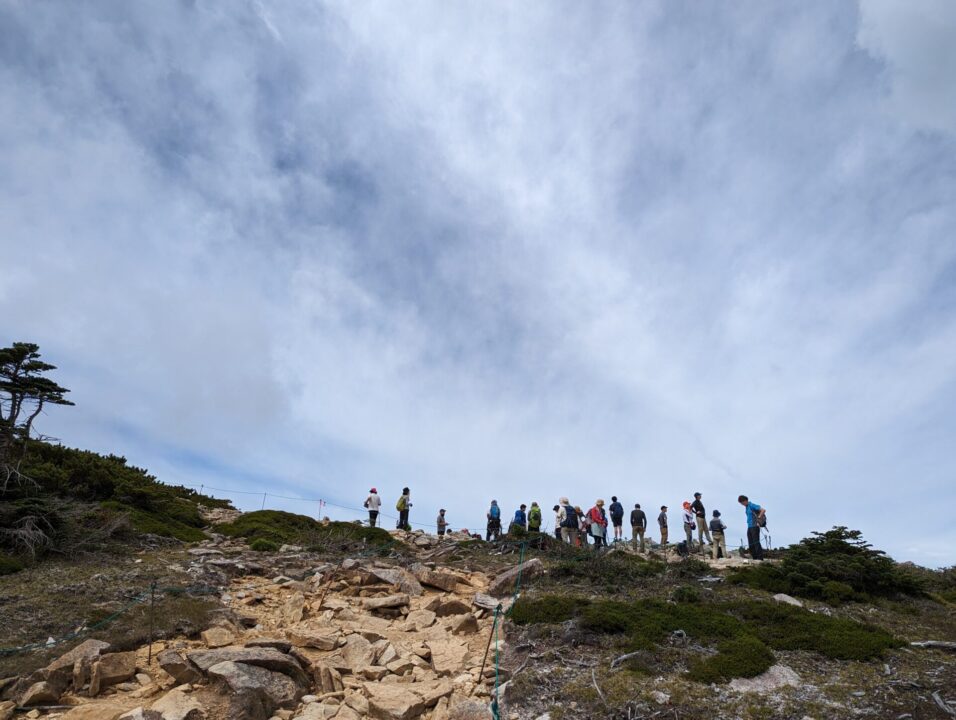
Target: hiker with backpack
x=701, y=519
x=584, y=526
x=638, y=525
x=534, y=518
x=617, y=518
x=494, y=522
x=717, y=528
x=403, y=505
x=373, y=503
x=598, y=524
x=442, y=523
x=756, y=519
x=690, y=524
x=567, y=520
x=662, y=524
x=520, y=520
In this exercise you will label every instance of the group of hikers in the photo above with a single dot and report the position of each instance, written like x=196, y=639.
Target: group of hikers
x=574, y=526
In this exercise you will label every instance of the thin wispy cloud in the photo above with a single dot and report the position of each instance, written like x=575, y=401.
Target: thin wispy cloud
x=497, y=250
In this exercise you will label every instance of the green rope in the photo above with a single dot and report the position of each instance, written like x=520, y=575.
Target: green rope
x=494, y=703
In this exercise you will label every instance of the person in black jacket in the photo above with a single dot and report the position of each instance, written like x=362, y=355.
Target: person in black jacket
x=617, y=519
x=638, y=525
x=701, y=514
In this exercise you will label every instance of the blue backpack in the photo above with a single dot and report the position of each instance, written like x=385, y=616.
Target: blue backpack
x=495, y=512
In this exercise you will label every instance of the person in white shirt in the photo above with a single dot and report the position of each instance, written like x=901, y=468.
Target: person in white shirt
x=373, y=502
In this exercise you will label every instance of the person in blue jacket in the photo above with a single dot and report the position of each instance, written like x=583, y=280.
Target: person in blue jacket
x=521, y=518
x=494, y=522
x=755, y=521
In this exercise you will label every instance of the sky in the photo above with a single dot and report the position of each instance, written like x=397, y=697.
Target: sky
x=497, y=250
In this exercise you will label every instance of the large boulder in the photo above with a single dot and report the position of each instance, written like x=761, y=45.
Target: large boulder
x=217, y=637
x=95, y=711
x=111, y=669
x=355, y=654
x=178, y=704
x=506, y=583
x=256, y=692
x=180, y=670
x=40, y=693
x=406, y=582
x=268, y=658
x=391, y=701
x=448, y=657
x=52, y=680
x=434, y=578
x=398, y=600
x=293, y=610
x=309, y=637
x=454, y=607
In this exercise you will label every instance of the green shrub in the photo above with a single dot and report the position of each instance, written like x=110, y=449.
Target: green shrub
x=686, y=594
x=548, y=609
x=9, y=565
x=689, y=567
x=834, y=566
x=614, y=569
x=263, y=545
x=742, y=657
x=286, y=528
x=784, y=627
x=609, y=616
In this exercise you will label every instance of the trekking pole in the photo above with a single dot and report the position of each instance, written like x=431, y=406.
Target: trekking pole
x=484, y=658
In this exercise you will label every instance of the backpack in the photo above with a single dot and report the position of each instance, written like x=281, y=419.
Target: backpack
x=762, y=520
x=571, y=518
x=682, y=548
x=495, y=512
x=402, y=503
x=534, y=516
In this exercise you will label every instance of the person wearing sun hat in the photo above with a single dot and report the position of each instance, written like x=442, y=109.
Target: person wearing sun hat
x=373, y=502
x=690, y=524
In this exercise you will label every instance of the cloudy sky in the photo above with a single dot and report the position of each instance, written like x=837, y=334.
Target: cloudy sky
x=497, y=250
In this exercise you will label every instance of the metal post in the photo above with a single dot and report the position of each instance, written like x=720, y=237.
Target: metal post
x=152, y=610
x=263, y=501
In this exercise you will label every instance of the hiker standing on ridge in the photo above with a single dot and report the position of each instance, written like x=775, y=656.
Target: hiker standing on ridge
x=557, y=521
x=534, y=518
x=520, y=519
x=403, y=505
x=598, y=524
x=690, y=524
x=583, y=527
x=717, y=528
x=662, y=524
x=442, y=523
x=373, y=503
x=617, y=518
x=494, y=522
x=698, y=507
x=568, y=521
x=638, y=525
x=755, y=520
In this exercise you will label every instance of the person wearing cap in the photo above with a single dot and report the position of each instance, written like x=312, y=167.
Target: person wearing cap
x=373, y=503
x=442, y=523
x=717, y=528
x=638, y=525
x=701, y=517
x=690, y=524
x=404, y=505
x=662, y=524
x=567, y=519
x=617, y=519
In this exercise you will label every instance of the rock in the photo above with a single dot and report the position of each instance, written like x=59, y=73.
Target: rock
x=783, y=598
x=268, y=658
x=434, y=578
x=174, y=664
x=346, y=713
x=317, y=711
x=308, y=637
x=776, y=677
x=393, y=702
x=464, y=625
x=293, y=610
x=177, y=704
x=6, y=709
x=358, y=702
x=216, y=637
x=41, y=693
x=456, y=607
x=257, y=687
x=661, y=698
x=448, y=658
x=141, y=714
x=58, y=674
x=470, y=710
x=111, y=669
x=505, y=583
x=406, y=582
x=374, y=672
x=390, y=601
x=419, y=620
x=280, y=645
x=94, y=711
x=486, y=602
x=356, y=653
x=389, y=654
x=400, y=667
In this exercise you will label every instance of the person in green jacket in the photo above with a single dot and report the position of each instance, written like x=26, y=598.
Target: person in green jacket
x=534, y=518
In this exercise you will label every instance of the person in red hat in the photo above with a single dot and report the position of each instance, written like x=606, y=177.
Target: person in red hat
x=373, y=502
